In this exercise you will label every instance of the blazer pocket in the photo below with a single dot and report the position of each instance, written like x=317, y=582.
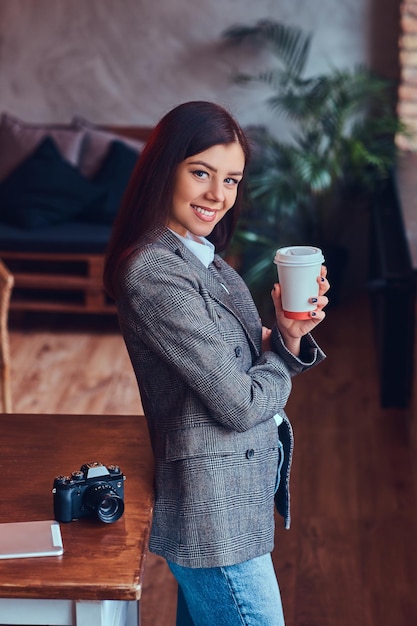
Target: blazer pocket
x=199, y=441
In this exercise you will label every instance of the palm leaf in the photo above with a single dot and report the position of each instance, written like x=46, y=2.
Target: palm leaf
x=289, y=44
x=342, y=128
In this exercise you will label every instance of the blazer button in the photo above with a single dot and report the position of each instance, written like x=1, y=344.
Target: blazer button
x=250, y=453
x=238, y=351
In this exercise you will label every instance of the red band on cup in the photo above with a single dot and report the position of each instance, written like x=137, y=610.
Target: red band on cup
x=297, y=315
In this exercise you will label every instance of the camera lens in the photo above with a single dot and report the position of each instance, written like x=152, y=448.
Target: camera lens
x=105, y=502
x=110, y=509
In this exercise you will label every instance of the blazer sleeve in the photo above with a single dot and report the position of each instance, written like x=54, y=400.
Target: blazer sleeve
x=310, y=353
x=164, y=305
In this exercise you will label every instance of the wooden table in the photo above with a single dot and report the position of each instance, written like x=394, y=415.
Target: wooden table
x=98, y=580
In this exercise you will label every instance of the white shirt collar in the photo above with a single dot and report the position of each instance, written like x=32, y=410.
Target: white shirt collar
x=203, y=249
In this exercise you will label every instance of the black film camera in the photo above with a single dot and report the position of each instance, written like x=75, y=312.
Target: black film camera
x=95, y=489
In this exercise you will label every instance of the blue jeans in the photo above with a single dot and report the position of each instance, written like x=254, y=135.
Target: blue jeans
x=246, y=594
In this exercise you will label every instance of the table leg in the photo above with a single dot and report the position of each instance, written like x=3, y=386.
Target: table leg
x=68, y=612
x=106, y=613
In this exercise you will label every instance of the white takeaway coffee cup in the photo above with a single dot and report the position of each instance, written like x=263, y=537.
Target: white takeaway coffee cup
x=298, y=269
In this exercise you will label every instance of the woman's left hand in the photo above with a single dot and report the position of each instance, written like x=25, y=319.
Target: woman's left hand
x=266, y=339
x=292, y=330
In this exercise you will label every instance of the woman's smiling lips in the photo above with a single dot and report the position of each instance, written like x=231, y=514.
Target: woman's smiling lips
x=207, y=215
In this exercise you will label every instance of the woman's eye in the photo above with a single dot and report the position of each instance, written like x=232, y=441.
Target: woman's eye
x=231, y=181
x=200, y=173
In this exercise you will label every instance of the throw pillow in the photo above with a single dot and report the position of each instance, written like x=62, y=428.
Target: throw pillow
x=45, y=189
x=96, y=145
x=18, y=140
x=113, y=176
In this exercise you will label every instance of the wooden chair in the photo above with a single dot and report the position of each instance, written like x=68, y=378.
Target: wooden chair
x=6, y=285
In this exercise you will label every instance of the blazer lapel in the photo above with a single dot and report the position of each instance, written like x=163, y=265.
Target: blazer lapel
x=218, y=290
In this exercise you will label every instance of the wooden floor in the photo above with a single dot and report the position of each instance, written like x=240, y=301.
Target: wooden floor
x=350, y=558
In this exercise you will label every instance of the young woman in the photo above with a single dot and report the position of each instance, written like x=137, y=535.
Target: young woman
x=213, y=382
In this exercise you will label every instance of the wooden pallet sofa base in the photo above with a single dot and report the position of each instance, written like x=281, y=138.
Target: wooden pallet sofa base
x=58, y=282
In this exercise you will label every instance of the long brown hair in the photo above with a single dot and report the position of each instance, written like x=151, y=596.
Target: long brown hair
x=188, y=129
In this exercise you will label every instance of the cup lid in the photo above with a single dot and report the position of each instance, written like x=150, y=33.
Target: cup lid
x=299, y=255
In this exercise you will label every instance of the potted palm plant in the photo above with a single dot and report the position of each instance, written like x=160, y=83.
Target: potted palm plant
x=342, y=145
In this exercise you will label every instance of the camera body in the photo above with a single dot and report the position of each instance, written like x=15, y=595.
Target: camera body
x=94, y=489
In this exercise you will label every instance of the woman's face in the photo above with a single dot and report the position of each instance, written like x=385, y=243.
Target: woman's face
x=205, y=189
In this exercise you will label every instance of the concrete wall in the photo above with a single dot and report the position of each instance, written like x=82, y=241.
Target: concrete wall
x=129, y=61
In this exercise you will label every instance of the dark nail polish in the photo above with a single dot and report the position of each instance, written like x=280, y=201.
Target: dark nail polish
x=313, y=300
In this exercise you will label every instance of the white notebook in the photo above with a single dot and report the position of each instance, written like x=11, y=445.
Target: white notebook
x=29, y=539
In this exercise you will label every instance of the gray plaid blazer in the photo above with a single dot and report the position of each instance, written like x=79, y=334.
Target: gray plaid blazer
x=194, y=339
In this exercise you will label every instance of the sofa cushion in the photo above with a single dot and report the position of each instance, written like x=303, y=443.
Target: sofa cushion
x=113, y=176
x=45, y=189
x=18, y=140
x=96, y=145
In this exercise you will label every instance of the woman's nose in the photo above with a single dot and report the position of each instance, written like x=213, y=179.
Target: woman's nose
x=216, y=192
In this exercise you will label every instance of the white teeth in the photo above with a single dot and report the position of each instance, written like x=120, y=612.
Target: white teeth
x=203, y=211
